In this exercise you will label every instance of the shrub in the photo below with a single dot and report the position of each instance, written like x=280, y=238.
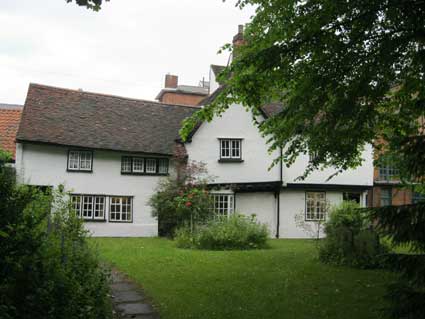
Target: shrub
x=181, y=199
x=222, y=233
x=350, y=239
x=46, y=267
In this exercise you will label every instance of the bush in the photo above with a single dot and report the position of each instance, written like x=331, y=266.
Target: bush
x=47, y=269
x=350, y=239
x=222, y=233
x=181, y=199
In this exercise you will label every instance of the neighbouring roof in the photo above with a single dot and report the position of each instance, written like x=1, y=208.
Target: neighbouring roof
x=10, y=115
x=217, y=69
x=91, y=120
x=184, y=89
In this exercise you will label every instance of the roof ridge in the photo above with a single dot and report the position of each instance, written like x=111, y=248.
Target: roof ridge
x=110, y=95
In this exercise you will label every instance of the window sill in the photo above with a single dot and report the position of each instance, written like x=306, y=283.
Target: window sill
x=230, y=160
x=145, y=174
x=78, y=171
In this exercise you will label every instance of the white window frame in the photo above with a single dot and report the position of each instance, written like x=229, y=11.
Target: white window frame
x=144, y=165
x=149, y=169
x=163, y=165
x=315, y=206
x=230, y=148
x=138, y=164
x=123, y=202
x=126, y=164
x=78, y=202
x=80, y=160
x=222, y=204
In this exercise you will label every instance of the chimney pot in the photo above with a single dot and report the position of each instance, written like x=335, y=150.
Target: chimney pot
x=171, y=81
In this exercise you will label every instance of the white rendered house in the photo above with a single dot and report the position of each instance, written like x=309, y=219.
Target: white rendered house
x=110, y=152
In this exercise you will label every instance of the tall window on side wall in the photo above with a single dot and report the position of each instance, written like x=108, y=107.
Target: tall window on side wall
x=387, y=169
x=315, y=206
x=386, y=197
x=222, y=204
x=80, y=161
x=230, y=150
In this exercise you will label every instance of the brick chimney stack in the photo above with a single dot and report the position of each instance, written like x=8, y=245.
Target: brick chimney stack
x=238, y=39
x=171, y=81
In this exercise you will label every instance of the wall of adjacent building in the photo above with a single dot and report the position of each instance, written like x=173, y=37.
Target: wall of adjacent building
x=45, y=165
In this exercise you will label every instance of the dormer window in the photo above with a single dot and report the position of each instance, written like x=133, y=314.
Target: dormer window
x=80, y=161
x=230, y=150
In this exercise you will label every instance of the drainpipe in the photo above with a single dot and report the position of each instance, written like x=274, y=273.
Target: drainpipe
x=278, y=194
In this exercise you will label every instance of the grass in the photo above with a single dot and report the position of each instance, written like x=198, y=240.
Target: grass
x=285, y=281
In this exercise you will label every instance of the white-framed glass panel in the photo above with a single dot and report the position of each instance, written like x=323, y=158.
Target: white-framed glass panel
x=386, y=196
x=120, y=209
x=163, y=166
x=73, y=160
x=76, y=204
x=126, y=164
x=150, y=165
x=315, y=206
x=85, y=161
x=99, y=207
x=138, y=164
x=87, y=211
x=387, y=170
x=230, y=148
x=222, y=204
x=225, y=148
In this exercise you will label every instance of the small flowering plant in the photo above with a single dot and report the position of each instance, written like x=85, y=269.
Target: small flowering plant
x=193, y=202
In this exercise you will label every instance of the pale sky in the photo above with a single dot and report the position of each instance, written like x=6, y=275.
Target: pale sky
x=124, y=49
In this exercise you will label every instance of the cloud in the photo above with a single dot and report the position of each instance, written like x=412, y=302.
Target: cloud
x=124, y=49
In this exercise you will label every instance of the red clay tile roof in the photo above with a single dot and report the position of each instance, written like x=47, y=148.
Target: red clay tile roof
x=9, y=123
x=91, y=120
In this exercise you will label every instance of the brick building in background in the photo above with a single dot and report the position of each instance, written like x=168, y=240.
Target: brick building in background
x=173, y=93
x=10, y=116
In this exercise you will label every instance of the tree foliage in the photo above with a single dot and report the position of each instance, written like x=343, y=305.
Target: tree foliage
x=90, y=4
x=347, y=73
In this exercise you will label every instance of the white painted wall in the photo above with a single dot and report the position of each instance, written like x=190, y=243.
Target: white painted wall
x=213, y=82
x=46, y=165
x=263, y=205
x=236, y=122
x=363, y=175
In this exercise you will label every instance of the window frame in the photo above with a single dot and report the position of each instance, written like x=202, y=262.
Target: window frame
x=93, y=208
x=386, y=170
x=79, y=170
x=417, y=197
x=131, y=209
x=231, y=158
x=144, y=159
x=390, y=191
x=230, y=208
x=305, y=207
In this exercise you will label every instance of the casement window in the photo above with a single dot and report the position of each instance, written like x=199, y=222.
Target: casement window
x=386, y=169
x=417, y=197
x=80, y=161
x=120, y=209
x=315, y=206
x=144, y=165
x=386, y=197
x=231, y=150
x=89, y=207
x=222, y=204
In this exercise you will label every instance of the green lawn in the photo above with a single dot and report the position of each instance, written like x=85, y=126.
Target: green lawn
x=285, y=281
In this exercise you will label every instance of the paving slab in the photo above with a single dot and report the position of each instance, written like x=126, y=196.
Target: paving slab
x=127, y=296
x=123, y=286
x=135, y=309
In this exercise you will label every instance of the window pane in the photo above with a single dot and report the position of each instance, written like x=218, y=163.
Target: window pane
x=138, y=164
x=126, y=164
x=87, y=207
x=85, y=160
x=315, y=206
x=386, y=197
x=225, y=148
x=76, y=204
x=73, y=160
x=150, y=165
x=163, y=166
x=222, y=204
x=236, y=144
x=99, y=208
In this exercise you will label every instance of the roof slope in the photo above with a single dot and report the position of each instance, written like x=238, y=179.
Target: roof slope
x=91, y=120
x=9, y=123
